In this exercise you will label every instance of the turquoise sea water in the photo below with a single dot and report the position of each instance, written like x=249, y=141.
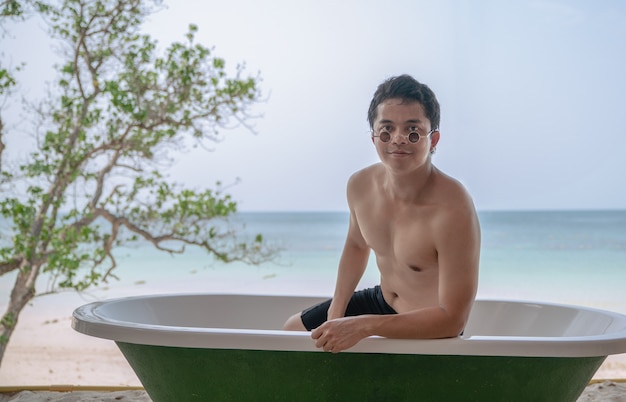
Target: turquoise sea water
x=574, y=257
x=563, y=256
x=577, y=257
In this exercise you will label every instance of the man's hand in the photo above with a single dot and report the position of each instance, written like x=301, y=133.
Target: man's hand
x=339, y=334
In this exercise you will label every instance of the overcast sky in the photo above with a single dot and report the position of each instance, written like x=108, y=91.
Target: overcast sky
x=533, y=95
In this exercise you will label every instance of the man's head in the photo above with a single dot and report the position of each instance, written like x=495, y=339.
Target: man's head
x=408, y=89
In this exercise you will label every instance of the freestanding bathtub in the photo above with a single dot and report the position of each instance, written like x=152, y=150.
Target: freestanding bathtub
x=201, y=347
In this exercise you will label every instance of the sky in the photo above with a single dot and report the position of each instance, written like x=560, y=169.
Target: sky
x=532, y=94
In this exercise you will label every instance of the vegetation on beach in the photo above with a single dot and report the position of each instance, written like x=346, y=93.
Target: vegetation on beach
x=108, y=127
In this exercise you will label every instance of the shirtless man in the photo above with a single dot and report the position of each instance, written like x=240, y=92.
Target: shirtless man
x=421, y=225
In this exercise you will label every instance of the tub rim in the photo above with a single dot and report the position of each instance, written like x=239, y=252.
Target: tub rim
x=87, y=320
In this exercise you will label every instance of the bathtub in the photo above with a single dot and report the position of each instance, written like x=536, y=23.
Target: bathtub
x=202, y=347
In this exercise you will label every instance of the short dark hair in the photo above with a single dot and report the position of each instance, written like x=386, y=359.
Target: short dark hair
x=408, y=89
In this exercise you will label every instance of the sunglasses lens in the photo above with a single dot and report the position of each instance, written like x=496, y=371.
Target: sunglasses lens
x=385, y=137
x=414, y=137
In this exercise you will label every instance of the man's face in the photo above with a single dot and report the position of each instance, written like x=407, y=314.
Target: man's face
x=402, y=133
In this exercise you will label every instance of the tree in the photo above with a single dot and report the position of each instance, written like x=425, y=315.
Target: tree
x=116, y=113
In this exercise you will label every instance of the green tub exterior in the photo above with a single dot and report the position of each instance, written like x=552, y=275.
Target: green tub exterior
x=191, y=374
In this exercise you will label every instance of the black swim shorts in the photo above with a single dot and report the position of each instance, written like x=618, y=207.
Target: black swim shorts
x=366, y=301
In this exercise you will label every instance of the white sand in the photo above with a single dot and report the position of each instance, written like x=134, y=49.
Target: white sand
x=76, y=396
x=46, y=351
x=601, y=392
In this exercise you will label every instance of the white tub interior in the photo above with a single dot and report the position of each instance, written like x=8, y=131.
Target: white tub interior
x=208, y=311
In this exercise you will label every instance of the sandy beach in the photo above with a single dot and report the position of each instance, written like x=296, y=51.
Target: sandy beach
x=46, y=355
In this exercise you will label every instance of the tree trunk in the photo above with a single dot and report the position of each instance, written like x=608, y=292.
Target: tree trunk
x=22, y=293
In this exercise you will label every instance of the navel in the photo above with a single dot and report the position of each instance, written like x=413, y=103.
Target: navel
x=415, y=268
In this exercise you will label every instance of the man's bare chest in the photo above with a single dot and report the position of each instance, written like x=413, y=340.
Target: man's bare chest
x=406, y=237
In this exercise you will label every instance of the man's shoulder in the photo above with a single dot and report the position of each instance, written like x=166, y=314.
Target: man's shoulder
x=452, y=195
x=451, y=186
x=361, y=183
x=365, y=175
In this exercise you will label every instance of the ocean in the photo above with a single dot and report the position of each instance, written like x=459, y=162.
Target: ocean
x=575, y=257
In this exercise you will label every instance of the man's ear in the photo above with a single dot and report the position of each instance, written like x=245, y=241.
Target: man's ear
x=434, y=138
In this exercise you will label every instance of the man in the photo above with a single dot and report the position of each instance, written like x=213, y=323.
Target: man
x=421, y=225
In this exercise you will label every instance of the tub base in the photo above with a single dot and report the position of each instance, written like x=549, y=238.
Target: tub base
x=246, y=375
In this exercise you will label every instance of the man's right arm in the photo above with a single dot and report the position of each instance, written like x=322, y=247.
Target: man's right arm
x=353, y=260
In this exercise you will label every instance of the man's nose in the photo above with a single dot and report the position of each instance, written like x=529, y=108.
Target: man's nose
x=397, y=137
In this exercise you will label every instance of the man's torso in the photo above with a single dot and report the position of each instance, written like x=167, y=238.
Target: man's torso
x=401, y=234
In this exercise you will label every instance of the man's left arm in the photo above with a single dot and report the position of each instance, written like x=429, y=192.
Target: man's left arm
x=458, y=247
